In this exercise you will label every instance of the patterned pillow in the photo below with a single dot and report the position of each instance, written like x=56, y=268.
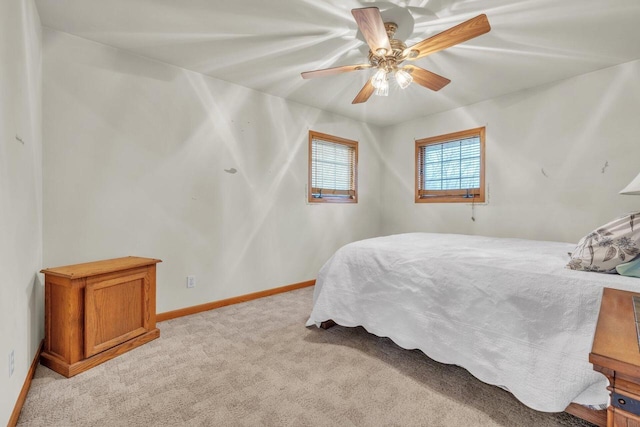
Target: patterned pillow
x=612, y=244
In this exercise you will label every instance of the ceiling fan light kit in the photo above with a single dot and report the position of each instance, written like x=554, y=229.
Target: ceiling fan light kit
x=383, y=90
x=387, y=53
x=379, y=78
x=403, y=78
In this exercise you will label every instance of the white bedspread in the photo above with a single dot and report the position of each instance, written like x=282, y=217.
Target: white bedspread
x=504, y=309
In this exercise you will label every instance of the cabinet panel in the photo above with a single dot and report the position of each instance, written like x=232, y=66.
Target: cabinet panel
x=624, y=419
x=115, y=310
x=64, y=318
x=56, y=323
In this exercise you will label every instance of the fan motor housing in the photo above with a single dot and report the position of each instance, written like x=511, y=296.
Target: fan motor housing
x=394, y=57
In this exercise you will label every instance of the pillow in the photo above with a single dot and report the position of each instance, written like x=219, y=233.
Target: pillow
x=631, y=269
x=612, y=244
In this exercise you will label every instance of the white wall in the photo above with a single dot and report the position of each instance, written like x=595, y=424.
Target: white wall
x=21, y=291
x=134, y=164
x=571, y=129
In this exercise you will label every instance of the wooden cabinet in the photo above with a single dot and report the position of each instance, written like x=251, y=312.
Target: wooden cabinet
x=96, y=311
x=616, y=354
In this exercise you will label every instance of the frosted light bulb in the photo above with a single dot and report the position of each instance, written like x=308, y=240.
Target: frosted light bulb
x=403, y=78
x=383, y=90
x=379, y=78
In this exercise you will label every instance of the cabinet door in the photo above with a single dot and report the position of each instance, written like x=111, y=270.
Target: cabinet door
x=624, y=419
x=116, y=309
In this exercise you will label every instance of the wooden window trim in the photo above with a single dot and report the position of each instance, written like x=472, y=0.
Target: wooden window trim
x=450, y=196
x=330, y=195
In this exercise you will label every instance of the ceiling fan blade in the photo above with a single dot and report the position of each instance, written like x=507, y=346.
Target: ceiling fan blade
x=364, y=94
x=426, y=78
x=467, y=30
x=371, y=25
x=335, y=70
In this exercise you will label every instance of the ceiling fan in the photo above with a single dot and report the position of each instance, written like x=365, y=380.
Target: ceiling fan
x=386, y=53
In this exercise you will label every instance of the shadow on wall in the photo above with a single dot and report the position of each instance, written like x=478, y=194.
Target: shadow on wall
x=35, y=296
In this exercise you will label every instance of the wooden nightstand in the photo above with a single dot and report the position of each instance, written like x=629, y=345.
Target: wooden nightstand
x=96, y=311
x=616, y=354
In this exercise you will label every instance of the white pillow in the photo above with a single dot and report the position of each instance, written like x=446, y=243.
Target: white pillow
x=612, y=244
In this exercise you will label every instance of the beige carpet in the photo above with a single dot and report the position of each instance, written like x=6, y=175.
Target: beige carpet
x=255, y=364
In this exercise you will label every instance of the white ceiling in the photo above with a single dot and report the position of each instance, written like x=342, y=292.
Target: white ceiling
x=265, y=45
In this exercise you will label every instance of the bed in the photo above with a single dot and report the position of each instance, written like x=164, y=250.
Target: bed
x=507, y=310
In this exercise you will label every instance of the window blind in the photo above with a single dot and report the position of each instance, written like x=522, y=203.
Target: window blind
x=332, y=169
x=452, y=165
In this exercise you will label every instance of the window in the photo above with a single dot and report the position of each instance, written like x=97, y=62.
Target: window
x=333, y=166
x=450, y=168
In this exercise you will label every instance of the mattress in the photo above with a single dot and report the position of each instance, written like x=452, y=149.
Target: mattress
x=507, y=310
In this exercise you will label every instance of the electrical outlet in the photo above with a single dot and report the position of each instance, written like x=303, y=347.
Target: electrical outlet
x=12, y=363
x=191, y=281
